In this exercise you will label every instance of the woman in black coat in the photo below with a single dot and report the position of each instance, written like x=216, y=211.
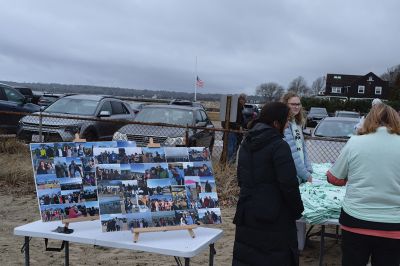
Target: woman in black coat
x=269, y=202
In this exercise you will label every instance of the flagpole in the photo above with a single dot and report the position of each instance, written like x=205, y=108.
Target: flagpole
x=195, y=82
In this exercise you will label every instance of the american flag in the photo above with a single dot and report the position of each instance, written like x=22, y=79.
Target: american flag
x=199, y=82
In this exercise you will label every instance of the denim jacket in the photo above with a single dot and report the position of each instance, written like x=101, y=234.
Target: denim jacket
x=304, y=170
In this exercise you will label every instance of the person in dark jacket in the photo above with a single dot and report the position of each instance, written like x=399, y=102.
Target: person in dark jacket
x=269, y=202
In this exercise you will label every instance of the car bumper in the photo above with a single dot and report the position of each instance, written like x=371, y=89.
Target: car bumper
x=48, y=135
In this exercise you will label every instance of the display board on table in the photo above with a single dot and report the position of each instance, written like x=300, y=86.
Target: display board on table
x=64, y=174
x=149, y=187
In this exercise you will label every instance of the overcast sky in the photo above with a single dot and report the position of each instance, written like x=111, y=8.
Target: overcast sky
x=146, y=44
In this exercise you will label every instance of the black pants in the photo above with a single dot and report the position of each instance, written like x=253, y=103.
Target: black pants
x=357, y=249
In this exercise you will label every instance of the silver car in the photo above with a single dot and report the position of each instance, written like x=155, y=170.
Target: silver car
x=75, y=108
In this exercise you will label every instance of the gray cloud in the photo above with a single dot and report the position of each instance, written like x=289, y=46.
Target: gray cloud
x=153, y=44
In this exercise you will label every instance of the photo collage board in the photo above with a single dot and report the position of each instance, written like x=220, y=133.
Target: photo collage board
x=64, y=174
x=142, y=187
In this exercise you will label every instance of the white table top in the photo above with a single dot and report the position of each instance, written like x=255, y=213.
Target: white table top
x=173, y=243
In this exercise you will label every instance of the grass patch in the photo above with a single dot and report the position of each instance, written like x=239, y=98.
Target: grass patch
x=227, y=186
x=16, y=173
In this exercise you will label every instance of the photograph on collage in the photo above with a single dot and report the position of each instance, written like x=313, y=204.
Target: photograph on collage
x=155, y=187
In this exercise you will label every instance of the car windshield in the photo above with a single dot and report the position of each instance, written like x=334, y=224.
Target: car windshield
x=318, y=111
x=342, y=114
x=335, y=129
x=73, y=106
x=165, y=115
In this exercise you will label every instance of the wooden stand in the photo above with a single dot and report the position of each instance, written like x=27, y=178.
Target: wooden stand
x=78, y=139
x=153, y=144
x=137, y=231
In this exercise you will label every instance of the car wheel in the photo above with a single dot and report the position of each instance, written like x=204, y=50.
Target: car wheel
x=90, y=135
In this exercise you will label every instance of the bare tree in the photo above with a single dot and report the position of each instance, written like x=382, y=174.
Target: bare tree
x=318, y=85
x=391, y=74
x=270, y=91
x=299, y=86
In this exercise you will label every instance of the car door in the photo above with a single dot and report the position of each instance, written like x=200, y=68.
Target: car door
x=203, y=137
x=120, y=112
x=104, y=129
x=10, y=101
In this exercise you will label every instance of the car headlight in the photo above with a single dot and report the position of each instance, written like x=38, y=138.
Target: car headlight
x=175, y=141
x=73, y=129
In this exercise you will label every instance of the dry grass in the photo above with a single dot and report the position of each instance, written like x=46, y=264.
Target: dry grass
x=227, y=187
x=16, y=174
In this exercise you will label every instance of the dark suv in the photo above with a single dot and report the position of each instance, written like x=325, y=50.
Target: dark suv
x=12, y=100
x=315, y=115
x=100, y=107
x=171, y=136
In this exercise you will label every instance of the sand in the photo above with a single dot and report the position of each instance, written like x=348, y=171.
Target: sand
x=16, y=210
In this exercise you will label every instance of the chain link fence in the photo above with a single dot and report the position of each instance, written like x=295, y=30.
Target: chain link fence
x=62, y=128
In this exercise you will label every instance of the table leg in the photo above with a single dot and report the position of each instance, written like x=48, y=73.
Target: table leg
x=178, y=261
x=26, y=248
x=187, y=261
x=322, y=245
x=66, y=253
x=212, y=253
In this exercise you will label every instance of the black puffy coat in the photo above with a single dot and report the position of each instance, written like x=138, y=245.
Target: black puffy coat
x=269, y=201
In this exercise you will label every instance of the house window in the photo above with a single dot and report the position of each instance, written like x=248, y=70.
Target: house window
x=336, y=89
x=337, y=77
x=378, y=90
x=370, y=79
x=361, y=89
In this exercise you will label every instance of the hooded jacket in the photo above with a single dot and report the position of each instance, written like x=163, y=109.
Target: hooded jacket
x=269, y=201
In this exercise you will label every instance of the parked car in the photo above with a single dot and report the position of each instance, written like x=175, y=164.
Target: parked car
x=136, y=106
x=187, y=103
x=104, y=108
x=28, y=93
x=48, y=98
x=170, y=136
x=336, y=127
x=329, y=138
x=12, y=100
x=315, y=115
x=347, y=114
x=250, y=111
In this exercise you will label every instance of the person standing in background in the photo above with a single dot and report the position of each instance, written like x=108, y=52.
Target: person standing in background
x=359, y=125
x=234, y=139
x=294, y=137
x=370, y=215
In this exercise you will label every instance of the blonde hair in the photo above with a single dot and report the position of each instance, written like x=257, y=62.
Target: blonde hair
x=381, y=115
x=299, y=118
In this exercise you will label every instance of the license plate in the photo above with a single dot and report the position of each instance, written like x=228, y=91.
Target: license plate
x=36, y=138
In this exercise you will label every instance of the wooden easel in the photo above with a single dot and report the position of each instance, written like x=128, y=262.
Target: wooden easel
x=137, y=231
x=152, y=144
x=78, y=139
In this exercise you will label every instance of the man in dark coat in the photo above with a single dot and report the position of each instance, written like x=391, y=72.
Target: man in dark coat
x=269, y=201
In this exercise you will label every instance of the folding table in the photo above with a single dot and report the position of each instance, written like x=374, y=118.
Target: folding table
x=173, y=243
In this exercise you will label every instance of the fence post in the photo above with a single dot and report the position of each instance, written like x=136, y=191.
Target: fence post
x=40, y=126
x=224, y=153
x=187, y=135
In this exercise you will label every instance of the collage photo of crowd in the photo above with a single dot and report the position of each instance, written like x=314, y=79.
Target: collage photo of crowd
x=65, y=179
x=141, y=187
